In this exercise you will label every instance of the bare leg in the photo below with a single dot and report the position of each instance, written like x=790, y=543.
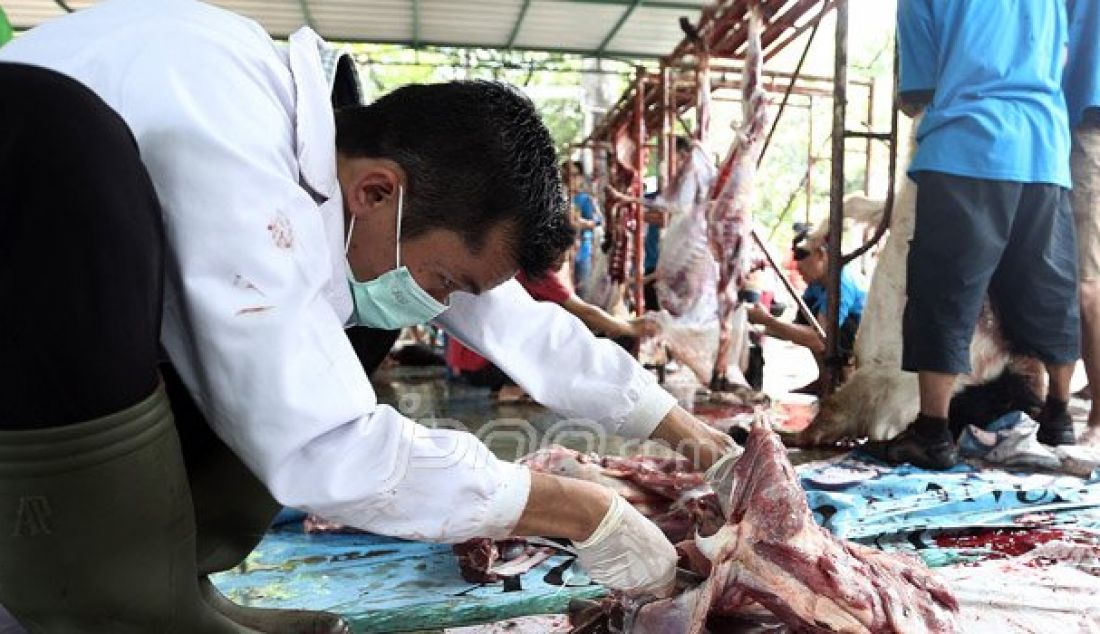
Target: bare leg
x=1090, y=350
x=936, y=390
x=1055, y=424
x=726, y=304
x=927, y=441
x=721, y=360
x=1060, y=376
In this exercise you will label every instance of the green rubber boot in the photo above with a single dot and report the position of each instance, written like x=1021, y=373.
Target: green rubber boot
x=96, y=528
x=233, y=511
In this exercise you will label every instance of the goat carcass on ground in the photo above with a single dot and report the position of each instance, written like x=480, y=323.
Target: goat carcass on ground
x=772, y=554
x=879, y=400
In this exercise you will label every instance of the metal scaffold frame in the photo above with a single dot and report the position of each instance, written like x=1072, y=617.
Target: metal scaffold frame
x=656, y=100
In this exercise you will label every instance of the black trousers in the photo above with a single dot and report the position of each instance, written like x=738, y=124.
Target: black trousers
x=81, y=256
x=81, y=286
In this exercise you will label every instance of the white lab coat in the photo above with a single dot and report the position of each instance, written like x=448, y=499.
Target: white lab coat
x=238, y=137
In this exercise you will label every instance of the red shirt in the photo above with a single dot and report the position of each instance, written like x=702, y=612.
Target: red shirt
x=548, y=288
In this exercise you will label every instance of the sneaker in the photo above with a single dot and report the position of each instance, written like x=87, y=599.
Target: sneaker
x=1057, y=430
x=927, y=453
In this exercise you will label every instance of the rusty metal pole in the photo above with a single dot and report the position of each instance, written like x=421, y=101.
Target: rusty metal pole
x=810, y=163
x=665, y=145
x=639, y=187
x=668, y=122
x=831, y=368
x=870, y=128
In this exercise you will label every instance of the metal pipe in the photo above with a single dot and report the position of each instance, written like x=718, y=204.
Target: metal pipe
x=639, y=190
x=803, y=309
x=663, y=140
x=790, y=86
x=888, y=211
x=810, y=162
x=870, y=128
x=736, y=66
x=831, y=368
x=668, y=129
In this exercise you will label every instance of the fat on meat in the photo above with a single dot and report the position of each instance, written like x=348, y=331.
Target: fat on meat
x=770, y=554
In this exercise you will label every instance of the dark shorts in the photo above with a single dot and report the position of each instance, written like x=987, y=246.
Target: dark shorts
x=1013, y=240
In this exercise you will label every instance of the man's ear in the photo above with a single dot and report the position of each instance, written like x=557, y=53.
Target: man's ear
x=372, y=185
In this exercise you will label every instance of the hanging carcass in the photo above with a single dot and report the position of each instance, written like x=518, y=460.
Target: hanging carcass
x=705, y=251
x=730, y=222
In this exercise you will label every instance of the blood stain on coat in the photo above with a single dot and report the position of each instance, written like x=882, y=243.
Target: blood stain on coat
x=240, y=281
x=282, y=233
x=253, y=309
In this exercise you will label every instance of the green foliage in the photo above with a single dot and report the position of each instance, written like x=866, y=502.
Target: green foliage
x=552, y=80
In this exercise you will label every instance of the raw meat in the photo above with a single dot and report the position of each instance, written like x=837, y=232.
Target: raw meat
x=487, y=561
x=480, y=560
x=705, y=250
x=686, y=271
x=730, y=222
x=772, y=554
x=666, y=490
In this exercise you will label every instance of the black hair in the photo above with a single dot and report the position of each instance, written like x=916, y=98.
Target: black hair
x=475, y=155
x=683, y=144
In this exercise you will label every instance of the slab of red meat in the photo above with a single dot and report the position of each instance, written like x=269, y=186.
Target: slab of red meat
x=772, y=554
x=668, y=491
x=487, y=561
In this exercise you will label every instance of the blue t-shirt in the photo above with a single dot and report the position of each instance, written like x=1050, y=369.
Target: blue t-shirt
x=652, y=242
x=587, y=207
x=995, y=67
x=852, y=297
x=1082, y=74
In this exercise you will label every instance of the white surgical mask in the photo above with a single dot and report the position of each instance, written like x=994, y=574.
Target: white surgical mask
x=393, y=300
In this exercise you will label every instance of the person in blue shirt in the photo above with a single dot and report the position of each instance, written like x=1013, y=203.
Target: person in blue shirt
x=811, y=257
x=993, y=212
x=586, y=218
x=655, y=220
x=1081, y=84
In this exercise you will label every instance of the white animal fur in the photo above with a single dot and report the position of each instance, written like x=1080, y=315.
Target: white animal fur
x=879, y=400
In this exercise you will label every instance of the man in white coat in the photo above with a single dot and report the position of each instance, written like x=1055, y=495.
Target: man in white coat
x=196, y=297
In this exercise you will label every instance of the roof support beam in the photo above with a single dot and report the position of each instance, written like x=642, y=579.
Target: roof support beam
x=615, y=29
x=518, y=24
x=416, y=23
x=307, y=15
x=656, y=4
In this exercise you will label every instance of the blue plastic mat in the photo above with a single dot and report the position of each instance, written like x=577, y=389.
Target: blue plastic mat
x=388, y=585
x=863, y=500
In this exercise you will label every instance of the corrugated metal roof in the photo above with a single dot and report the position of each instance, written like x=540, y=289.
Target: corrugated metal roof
x=607, y=28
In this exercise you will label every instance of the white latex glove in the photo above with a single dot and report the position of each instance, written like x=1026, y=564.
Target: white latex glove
x=629, y=553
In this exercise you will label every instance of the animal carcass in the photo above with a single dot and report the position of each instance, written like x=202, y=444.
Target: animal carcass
x=730, y=222
x=771, y=554
x=706, y=248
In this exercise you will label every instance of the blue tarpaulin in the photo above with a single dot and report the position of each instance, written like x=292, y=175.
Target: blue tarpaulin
x=381, y=584
x=857, y=499
x=386, y=585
